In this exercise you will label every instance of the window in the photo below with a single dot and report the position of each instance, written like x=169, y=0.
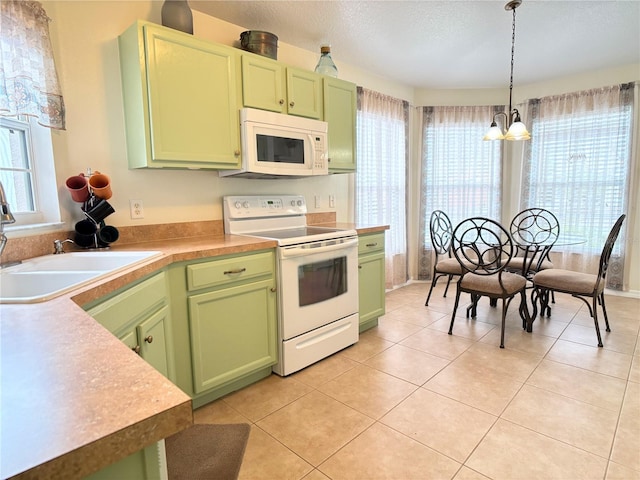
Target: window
x=382, y=127
x=577, y=166
x=16, y=170
x=461, y=174
x=27, y=173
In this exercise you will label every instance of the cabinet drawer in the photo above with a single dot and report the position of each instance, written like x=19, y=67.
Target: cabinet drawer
x=229, y=270
x=371, y=243
x=131, y=304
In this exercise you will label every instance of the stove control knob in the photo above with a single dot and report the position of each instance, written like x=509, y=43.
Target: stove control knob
x=299, y=203
x=245, y=204
x=237, y=204
x=293, y=203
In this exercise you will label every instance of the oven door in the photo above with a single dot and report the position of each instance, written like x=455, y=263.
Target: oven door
x=318, y=284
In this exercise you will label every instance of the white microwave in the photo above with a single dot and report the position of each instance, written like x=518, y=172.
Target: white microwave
x=275, y=145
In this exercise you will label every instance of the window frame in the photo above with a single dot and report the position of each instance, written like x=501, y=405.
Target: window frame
x=39, y=149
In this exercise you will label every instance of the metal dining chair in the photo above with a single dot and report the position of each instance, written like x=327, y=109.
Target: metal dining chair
x=581, y=285
x=483, y=248
x=444, y=265
x=534, y=231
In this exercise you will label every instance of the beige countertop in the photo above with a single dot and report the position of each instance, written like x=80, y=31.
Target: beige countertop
x=74, y=398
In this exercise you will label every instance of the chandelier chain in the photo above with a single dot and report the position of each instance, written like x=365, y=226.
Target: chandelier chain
x=513, y=50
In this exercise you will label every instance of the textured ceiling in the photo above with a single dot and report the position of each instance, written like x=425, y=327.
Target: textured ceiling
x=453, y=44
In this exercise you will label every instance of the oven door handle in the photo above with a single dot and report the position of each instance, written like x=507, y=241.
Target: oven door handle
x=306, y=249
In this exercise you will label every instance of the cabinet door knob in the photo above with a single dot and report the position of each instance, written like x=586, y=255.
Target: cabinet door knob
x=291, y=104
x=237, y=153
x=136, y=349
x=281, y=102
x=149, y=339
x=371, y=244
x=359, y=267
x=273, y=289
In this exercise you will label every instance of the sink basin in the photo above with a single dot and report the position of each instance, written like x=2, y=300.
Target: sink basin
x=43, y=278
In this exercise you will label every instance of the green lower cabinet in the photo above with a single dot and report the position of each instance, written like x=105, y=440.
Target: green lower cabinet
x=147, y=464
x=140, y=316
x=371, y=279
x=233, y=333
x=224, y=323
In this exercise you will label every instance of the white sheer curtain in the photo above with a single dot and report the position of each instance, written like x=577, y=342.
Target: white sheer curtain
x=381, y=178
x=461, y=174
x=578, y=165
x=28, y=78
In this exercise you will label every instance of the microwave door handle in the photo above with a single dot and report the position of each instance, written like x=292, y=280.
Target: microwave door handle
x=298, y=251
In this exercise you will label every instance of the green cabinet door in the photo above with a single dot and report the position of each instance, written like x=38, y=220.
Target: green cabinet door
x=263, y=84
x=180, y=100
x=152, y=338
x=340, y=113
x=304, y=93
x=371, y=279
x=232, y=333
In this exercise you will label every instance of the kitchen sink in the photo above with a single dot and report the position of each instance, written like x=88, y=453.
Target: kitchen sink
x=43, y=278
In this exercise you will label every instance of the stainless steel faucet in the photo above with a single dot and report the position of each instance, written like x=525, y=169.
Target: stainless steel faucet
x=6, y=217
x=58, y=245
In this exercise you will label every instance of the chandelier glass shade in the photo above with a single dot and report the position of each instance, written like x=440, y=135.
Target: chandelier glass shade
x=515, y=129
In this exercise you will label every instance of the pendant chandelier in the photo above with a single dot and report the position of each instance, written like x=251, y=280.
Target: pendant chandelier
x=516, y=130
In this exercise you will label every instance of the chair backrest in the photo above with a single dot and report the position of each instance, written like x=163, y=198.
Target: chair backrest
x=535, y=226
x=441, y=232
x=482, y=246
x=608, y=246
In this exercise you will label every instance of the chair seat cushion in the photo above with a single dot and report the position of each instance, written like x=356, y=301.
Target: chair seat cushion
x=568, y=281
x=450, y=266
x=516, y=264
x=490, y=284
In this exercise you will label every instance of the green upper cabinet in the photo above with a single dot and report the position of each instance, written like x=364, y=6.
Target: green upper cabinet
x=263, y=83
x=269, y=85
x=180, y=100
x=304, y=93
x=340, y=113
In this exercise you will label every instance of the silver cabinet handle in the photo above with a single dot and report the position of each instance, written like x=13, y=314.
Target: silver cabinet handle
x=238, y=270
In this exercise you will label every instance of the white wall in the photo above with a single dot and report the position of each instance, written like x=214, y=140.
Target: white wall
x=84, y=37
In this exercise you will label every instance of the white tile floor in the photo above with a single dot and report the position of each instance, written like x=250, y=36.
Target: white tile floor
x=409, y=401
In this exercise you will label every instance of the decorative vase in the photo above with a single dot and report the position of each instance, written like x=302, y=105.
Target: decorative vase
x=176, y=14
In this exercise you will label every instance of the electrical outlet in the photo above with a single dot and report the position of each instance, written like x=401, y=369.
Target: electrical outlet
x=332, y=201
x=137, y=209
x=317, y=198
